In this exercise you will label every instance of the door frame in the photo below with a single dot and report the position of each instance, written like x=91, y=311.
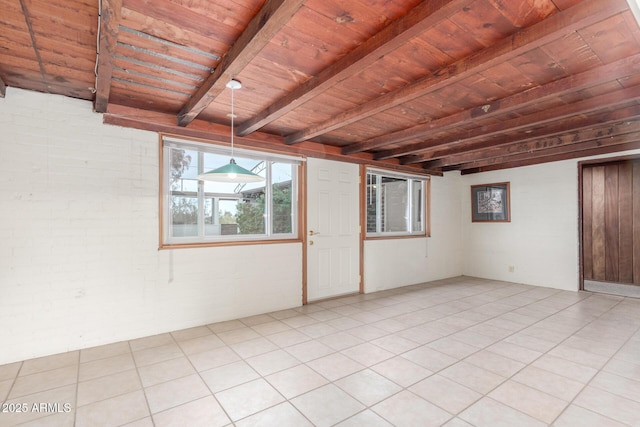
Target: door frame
x=581, y=165
x=304, y=229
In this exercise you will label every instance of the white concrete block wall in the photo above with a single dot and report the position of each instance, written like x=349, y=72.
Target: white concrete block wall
x=391, y=263
x=79, y=258
x=541, y=242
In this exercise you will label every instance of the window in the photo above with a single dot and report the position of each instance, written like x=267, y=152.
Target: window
x=196, y=211
x=396, y=204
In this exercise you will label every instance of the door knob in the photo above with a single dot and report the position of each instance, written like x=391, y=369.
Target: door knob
x=313, y=233
x=310, y=242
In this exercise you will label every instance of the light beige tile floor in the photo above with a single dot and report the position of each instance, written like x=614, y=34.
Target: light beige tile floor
x=457, y=352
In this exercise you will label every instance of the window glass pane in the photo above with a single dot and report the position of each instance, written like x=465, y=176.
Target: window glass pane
x=282, y=198
x=394, y=198
x=207, y=211
x=184, y=193
x=372, y=211
x=184, y=216
x=394, y=204
x=417, y=206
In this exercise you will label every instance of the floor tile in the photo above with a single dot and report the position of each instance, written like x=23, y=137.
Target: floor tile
x=447, y=394
x=340, y=340
x=549, y=382
x=10, y=371
x=116, y=411
x=49, y=363
x=175, y=392
x=238, y=335
x=401, y=371
x=495, y=363
x=249, y=398
x=429, y=358
x=309, y=350
x=65, y=397
x=105, y=387
x=165, y=371
x=576, y=416
x=42, y=381
x=368, y=386
x=528, y=400
x=150, y=342
x=366, y=418
x=473, y=377
x=395, y=344
x=200, y=344
x=253, y=347
x=327, y=405
x=282, y=415
x=288, y=338
x=204, y=412
x=490, y=413
x=107, y=366
x=295, y=381
x=275, y=361
x=566, y=368
x=367, y=354
x=157, y=354
x=104, y=351
x=618, y=385
x=408, y=409
x=610, y=405
x=270, y=328
x=228, y=376
x=213, y=358
x=335, y=366
x=191, y=333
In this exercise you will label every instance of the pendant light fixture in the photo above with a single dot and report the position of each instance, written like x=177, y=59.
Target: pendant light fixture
x=231, y=172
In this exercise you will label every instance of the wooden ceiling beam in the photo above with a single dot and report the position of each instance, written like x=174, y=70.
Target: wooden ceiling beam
x=589, y=138
x=552, y=28
x=109, y=26
x=591, y=148
x=393, y=36
x=261, y=29
x=593, y=77
x=574, y=124
x=616, y=99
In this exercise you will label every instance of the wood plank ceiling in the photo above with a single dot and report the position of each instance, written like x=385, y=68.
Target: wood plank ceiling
x=428, y=86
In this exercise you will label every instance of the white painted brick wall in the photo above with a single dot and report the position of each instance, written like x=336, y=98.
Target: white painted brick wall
x=79, y=264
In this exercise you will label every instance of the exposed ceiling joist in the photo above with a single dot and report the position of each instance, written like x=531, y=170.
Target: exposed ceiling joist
x=553, y=28
x=395, y=35
x=557, y=88
x=559, y=144
x=109, y=26
x=271, y=18
x=610, y=100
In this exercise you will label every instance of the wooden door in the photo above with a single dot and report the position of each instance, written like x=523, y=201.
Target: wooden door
x=333, y=229
x=611, y=222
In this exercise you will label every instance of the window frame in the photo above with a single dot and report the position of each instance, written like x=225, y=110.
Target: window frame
x=167, y=142
x=424, y=205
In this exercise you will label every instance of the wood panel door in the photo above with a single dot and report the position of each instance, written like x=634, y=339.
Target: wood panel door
x=611, y=222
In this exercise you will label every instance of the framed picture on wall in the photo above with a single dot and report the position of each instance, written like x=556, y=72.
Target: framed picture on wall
x=491, y=203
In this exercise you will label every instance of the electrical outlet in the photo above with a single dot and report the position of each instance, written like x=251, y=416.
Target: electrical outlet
x=512, y=269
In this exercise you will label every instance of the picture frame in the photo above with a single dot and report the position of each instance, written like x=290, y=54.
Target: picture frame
x=491, y=202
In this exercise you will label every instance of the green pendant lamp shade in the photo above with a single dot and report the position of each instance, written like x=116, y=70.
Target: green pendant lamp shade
x=231, y=172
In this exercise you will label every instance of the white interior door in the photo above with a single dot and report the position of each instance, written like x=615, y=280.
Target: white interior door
x=333, y=229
